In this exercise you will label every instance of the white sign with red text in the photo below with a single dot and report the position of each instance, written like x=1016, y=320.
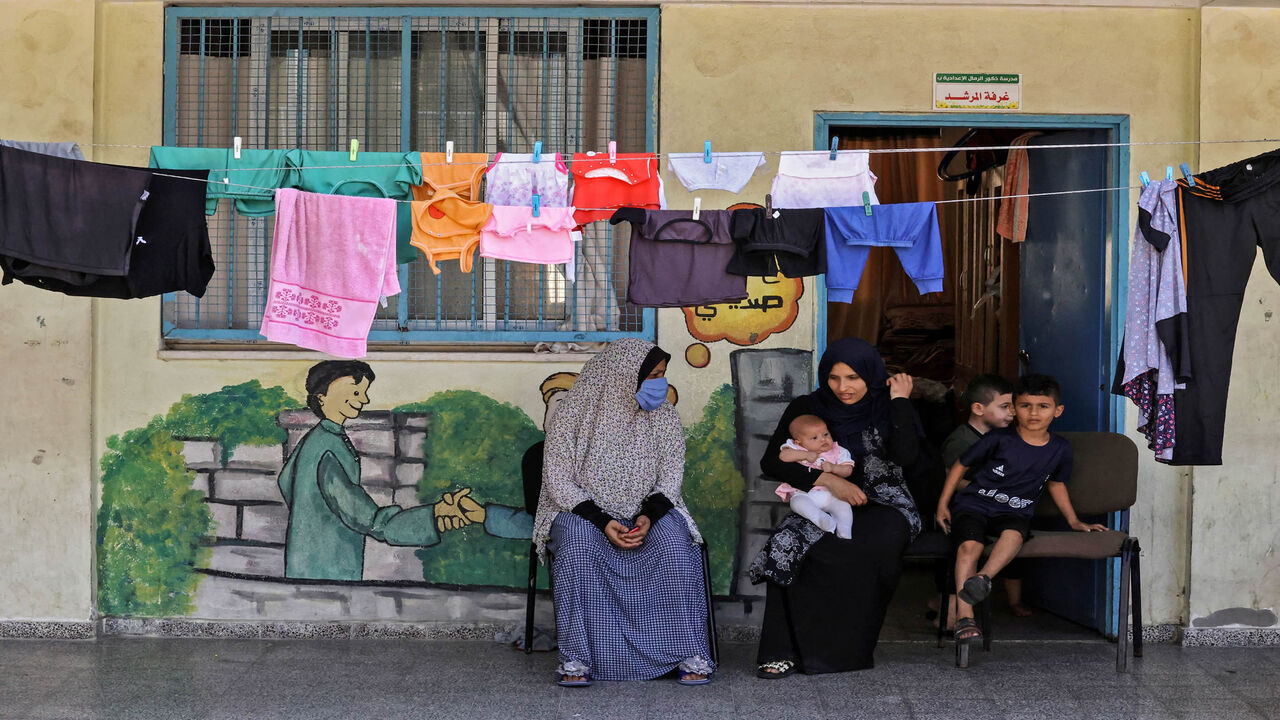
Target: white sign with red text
x=977, y=91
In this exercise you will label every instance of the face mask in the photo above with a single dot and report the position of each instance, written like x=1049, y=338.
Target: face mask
x=652, y=393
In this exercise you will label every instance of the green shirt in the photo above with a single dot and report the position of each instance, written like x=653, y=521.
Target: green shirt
x=330, y=514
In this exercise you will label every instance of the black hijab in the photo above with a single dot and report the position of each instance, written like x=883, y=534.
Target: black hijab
x=847, y=422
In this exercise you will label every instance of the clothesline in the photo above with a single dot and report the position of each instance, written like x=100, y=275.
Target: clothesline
x=749, y=153
x=937, y=202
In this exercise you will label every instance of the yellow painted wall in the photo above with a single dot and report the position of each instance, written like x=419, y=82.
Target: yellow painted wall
x=745, y=76
x=1236, y=536
x=46, y=519
x=752, y=77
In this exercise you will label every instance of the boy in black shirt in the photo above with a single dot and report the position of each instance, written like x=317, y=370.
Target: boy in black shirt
x=1012, y=466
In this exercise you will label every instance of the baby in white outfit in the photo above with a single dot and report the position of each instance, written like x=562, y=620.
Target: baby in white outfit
x=811, y=445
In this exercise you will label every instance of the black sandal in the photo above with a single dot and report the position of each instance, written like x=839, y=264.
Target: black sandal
x=775, y=670
x=975, y=589
x=966, y=630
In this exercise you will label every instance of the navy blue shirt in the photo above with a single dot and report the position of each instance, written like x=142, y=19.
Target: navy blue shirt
x=1010, y=473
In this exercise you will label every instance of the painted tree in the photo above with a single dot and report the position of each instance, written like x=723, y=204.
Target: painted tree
x=713, y=484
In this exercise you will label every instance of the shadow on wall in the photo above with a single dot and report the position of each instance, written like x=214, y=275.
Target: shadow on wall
x=194, y=493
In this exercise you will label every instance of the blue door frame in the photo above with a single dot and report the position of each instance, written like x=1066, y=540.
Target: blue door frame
x=1116, y=231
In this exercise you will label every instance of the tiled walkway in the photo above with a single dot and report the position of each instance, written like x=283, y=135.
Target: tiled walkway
x=314, y=679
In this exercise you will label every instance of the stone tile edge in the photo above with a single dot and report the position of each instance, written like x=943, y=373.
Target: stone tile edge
x=48, y=629
x=1230, y=637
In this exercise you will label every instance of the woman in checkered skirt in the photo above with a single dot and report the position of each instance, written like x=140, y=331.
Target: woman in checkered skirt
x=627, y=570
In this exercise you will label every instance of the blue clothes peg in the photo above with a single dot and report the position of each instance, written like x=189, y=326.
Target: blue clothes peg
x=866, y=202
x=537, y=205
x=537, y=151
x=1168, y=172
x=706, y=152
x=1145, y=178
x=835, y=142
x=1186, y=173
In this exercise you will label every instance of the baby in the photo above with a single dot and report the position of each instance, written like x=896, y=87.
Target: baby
x=811, y=445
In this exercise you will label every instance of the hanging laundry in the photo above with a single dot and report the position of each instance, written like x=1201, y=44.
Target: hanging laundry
x=911, y=229
x=68, y=150
x=76, y=219
x=814, y=180
x=461, y=177
x=513, y=178
x=1011, y=222
x=1225, y=218
x=1154, y=358
x=790, y=242
x=447, y=227
x=332, y=260
x=371, y=174
x=170, y=250
x=600, y=186
x=249, y=180
x=677, y=261
x=727, y=171
x=513, y=233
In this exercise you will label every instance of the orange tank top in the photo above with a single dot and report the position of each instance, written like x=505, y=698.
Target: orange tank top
x=447, y=227
x=462, y=176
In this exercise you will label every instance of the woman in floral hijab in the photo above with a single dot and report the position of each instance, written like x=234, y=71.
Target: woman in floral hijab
x=629, y=595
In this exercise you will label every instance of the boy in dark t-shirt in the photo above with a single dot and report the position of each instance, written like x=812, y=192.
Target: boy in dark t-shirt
x=1012, y=466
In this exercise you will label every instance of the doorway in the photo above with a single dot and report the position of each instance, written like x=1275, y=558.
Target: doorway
x=1050, y=304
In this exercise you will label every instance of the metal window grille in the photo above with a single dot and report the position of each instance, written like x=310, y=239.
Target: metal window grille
x=410, y=80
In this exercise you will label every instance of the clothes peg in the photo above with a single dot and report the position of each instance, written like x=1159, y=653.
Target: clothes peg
x=835, y=142
x=355, y=148
x=235, y=146
x=613, y=152
x=1168, y=172
x=706, y=152
x=537, y=151
x=537, y=205
x=1145, y=178
x=866, y=202
x=1186, y=173
x=448, y=151
x=697, y=207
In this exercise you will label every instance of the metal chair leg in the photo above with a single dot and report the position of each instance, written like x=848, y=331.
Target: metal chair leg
x=984, y=610
x=713, y=637
x=530, y=598
x=1136, y=593
x=944, y=608
x=1122, y=630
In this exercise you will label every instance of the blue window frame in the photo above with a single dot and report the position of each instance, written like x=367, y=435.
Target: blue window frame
x=411, y=79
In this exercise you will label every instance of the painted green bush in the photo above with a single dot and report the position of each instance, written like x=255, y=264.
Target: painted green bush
x=150, y=525
x=243, y=414
x=713, y=484
x=474, y=441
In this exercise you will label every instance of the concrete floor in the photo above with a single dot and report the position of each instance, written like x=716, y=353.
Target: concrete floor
x=122, y=677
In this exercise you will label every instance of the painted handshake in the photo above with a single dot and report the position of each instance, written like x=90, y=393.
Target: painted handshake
x=457, y=510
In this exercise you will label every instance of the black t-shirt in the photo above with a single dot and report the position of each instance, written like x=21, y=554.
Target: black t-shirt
x=1010, y=473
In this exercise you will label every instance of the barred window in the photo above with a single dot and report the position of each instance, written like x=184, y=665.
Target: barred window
x=411, y=80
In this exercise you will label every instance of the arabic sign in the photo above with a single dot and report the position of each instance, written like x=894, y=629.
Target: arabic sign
x=977, y=91
x=771, y=306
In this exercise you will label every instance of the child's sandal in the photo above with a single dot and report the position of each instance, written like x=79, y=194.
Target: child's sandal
x=975, y=589
x=967, y=630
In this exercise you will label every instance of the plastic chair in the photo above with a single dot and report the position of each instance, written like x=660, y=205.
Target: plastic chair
x=531, y=474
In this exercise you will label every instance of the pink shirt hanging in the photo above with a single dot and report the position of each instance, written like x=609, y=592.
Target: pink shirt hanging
x=513, y=233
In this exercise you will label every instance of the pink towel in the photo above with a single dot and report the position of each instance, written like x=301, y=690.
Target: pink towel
x=332, y=258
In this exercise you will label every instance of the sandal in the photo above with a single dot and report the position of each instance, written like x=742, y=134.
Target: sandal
x=967, y=630
x=584, y=682
x=688, y=679
x=775, y=670
x=975, y=589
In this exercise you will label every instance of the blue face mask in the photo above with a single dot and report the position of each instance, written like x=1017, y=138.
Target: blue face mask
x=652, y=393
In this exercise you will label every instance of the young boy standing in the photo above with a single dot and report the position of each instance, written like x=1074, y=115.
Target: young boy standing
x=1012, y=466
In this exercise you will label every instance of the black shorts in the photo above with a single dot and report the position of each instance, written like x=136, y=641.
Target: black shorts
x=980, y=528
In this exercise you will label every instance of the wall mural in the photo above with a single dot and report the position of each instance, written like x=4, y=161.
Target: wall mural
x=240, y=504
x=772, y=306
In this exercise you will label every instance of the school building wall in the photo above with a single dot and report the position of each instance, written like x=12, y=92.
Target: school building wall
x=744, y=76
